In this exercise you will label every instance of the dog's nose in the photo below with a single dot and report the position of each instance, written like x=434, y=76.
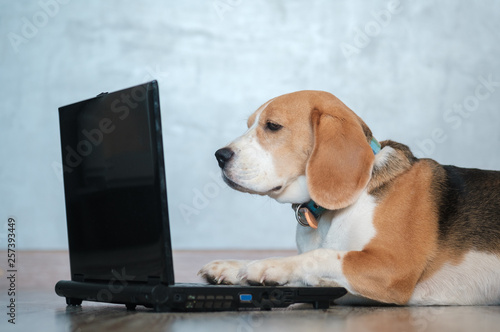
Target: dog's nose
x=223, y=155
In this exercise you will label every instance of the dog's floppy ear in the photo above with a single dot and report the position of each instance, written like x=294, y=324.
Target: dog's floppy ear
x=341, y=162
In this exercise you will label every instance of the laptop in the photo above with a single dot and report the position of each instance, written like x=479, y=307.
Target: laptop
x=117, y=215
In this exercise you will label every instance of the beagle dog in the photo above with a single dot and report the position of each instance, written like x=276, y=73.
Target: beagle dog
x=373, y=218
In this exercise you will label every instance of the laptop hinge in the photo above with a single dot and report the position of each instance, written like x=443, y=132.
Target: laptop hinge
x=154, y=280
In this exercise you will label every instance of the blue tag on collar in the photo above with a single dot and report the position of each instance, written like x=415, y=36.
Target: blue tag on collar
x=316, y=210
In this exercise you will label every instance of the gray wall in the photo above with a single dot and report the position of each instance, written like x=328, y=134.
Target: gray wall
x=416, y=71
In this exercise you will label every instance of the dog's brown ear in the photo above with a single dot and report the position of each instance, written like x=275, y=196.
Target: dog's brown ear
x=341, y=162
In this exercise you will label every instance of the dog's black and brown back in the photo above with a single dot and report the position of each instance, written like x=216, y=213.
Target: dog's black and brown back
x=469, y=208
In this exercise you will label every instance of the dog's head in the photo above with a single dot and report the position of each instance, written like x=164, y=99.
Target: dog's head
x=301, y=146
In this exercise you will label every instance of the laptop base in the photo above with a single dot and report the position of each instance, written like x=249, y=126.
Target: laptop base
x=196, y=297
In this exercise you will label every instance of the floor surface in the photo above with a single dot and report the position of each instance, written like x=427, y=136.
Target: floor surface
x=38, y=308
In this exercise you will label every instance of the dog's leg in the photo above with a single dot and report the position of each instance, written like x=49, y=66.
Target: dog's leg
x=374, y=275
x=223, y=272
x=320, y=267
x=377, y=276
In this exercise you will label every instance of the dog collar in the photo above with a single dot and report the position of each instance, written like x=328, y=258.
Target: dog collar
x=308, y=214
x=375, y=145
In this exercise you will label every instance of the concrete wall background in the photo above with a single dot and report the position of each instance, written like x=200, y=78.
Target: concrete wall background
x=416, y=72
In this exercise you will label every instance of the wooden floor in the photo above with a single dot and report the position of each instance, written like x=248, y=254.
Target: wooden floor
x=38, y=308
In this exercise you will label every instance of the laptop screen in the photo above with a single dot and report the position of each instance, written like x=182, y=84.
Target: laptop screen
x=115, y=189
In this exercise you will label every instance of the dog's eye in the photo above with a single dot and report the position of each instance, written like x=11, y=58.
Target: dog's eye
x=273, y=126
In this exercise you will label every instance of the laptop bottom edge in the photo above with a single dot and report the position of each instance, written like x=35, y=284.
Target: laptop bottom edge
x=196, y=297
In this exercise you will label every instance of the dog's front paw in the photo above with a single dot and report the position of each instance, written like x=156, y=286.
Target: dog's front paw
x=223, y=272
x=270, y=272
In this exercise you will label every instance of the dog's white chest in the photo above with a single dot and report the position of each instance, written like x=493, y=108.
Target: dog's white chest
x=344, y=230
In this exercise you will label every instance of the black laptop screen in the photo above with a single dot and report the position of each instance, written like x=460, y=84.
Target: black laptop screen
x=114, y=182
